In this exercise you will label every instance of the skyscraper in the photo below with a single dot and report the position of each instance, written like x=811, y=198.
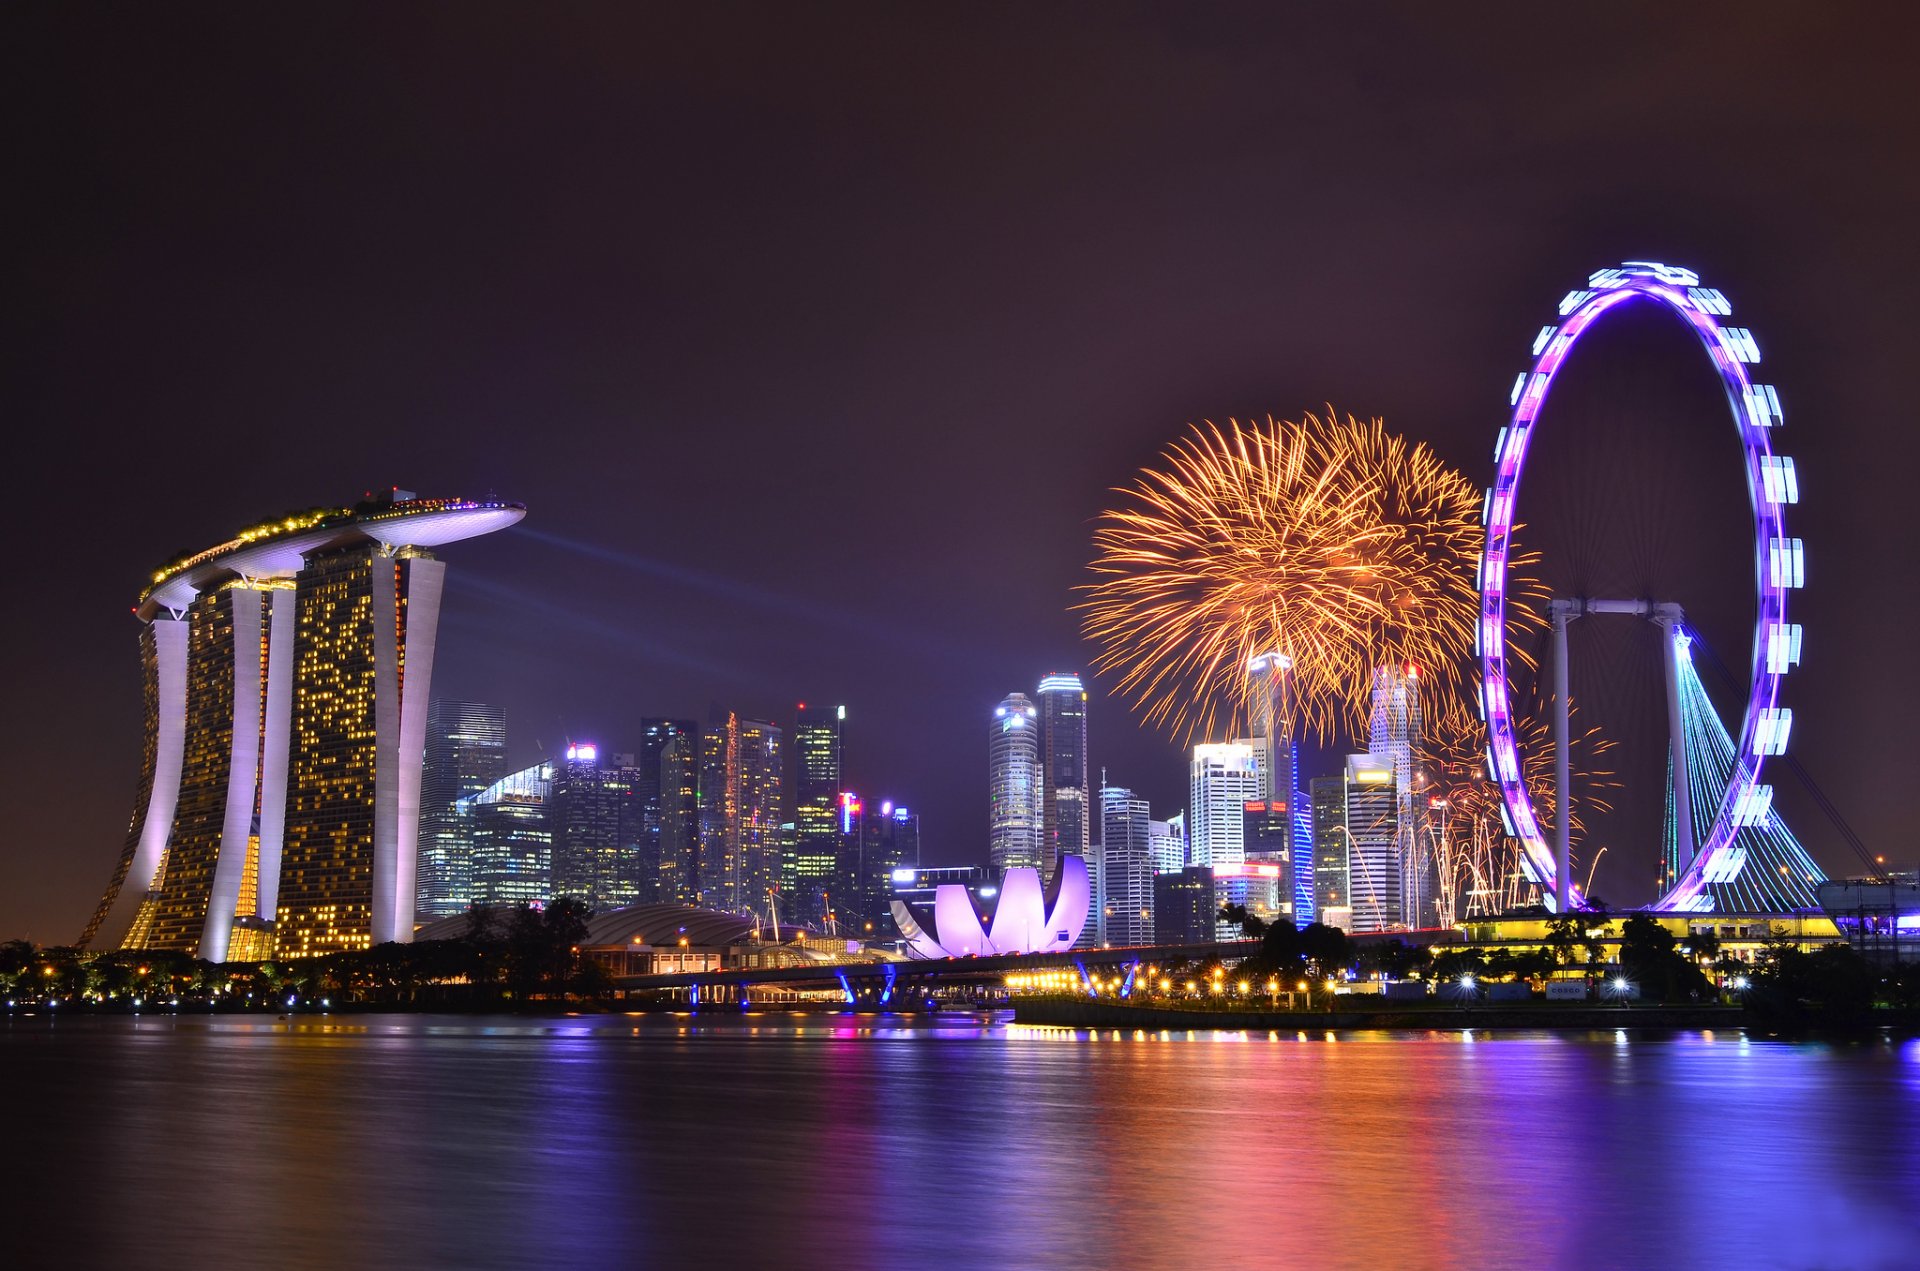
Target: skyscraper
x=668, y=791
x=1356, y=826
x=1066, y=811
x=1395, y=736
x=819, y=840
x=1015, y=821
x=1168, y=842
x=741, y=782
x=288, y=672
x=1272, y=722
x=595, y=818
x=1224, y=777
x=1126, y=868
x=889, y=841
x=466, y=753
x=508, y=826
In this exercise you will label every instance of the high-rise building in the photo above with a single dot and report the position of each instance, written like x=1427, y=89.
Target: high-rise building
x=1224, y=777
x=889, y=844
x=1183, y=908
x=597, y=829
x=1066, y=808
x=1015, y=819
x=1395, y=735
x=288, y=673
x=741, y=782
x=1126, y=868
x=667, y=789
x=1167, y=841
x=466, y=753
x=820, y=842
x=512, y=837
x=1267, y=835
x=1356, y=825
x=1272, y=721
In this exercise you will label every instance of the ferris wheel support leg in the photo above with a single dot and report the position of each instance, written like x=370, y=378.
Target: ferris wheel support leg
x=1668, y=617
x=1563, y=612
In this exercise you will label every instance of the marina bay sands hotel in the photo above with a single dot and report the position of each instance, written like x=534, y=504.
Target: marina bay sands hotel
x=287, y=673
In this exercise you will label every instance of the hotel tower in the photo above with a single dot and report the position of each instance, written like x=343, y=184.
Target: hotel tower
x=286, y=680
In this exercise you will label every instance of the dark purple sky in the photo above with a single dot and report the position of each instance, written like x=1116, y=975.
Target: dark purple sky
x=813, y=338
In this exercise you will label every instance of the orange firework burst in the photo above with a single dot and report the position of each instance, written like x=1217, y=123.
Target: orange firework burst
x=1330, y=540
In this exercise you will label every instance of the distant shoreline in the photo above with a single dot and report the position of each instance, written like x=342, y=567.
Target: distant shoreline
x=1074, y=1014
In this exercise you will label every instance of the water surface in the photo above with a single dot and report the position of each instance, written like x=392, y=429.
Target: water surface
x=796, y=1141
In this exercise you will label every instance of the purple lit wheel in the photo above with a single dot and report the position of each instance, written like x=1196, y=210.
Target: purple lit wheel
x=1778, y=565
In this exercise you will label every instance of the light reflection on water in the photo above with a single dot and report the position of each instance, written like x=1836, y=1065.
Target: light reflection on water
x=794, y=1141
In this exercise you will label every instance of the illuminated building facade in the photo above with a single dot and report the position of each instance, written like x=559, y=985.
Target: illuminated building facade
x=512, y=838
x=287, y=673
x=1066, y=811
x=1183, y=908
x=1356, y=821
x=1394, y=736
x=889, y=843
x=1169, y=843
x=668, y=790
x=741, y=781
x=1224, y=776
x=1026, y=917
x=596, y=824
x=1015, y=818
x=1125, y=853
x=820, y=840
x=466, y=753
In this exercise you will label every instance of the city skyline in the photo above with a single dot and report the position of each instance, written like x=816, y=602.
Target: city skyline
x=662, y=440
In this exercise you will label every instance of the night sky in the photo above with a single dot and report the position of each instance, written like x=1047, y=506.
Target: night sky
x=814, y=337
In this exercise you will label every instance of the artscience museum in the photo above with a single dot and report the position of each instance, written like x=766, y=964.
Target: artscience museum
x=1025, y=917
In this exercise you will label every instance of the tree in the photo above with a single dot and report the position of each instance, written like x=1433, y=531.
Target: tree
x=1396, y=959
x=1250, y=925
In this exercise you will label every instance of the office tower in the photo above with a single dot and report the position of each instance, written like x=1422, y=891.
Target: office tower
x=594, y=814
x=819, y=841
x=1168, y=843
x=1015, y=823
x=1066, y=811
x=1267, y=833
x=889, y=844
x=1224, y=777
x=1356, y=825
x=1183, y=908
x=280, y=784
x=741, y=782
x=667, y=789
x=1394, y=735
x=1126, y=868
x=1270, y=713
x=466, y=753
x=512, y=838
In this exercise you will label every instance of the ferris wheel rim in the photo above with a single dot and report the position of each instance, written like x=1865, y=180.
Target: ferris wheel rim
x=1772, y=485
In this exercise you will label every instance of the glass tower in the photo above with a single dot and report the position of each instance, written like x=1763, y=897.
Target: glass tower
x=512, y=839
x=1015, y=826
x=668, y=791
x=819, y=841
x=595, y=819
x=741, y=781
x=1394, y=737
x=1066, y=825
x=466, y=753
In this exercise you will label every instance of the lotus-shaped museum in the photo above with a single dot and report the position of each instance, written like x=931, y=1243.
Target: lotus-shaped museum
x=1026, y=919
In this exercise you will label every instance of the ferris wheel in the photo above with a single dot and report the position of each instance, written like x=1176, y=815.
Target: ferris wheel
x=1717, y=856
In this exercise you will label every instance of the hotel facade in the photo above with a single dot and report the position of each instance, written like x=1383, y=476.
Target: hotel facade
x=286, y=679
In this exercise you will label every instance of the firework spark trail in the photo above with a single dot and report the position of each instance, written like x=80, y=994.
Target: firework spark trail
x=1330, y=540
